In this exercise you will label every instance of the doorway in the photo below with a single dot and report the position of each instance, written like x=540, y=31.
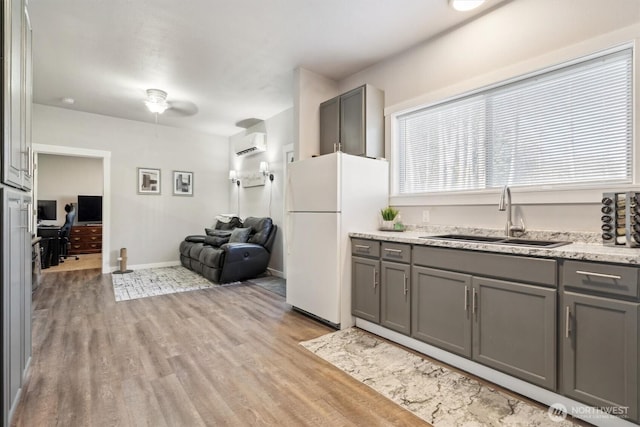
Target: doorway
x=93, y=157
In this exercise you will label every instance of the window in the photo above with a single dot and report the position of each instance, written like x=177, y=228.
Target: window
x=569, y=125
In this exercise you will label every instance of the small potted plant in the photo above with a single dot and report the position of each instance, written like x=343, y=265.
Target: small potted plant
x=388, y=217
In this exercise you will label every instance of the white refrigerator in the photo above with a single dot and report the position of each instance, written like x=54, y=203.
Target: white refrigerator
x=327, y=197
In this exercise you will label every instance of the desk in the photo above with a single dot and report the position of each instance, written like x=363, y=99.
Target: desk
x=50, y=244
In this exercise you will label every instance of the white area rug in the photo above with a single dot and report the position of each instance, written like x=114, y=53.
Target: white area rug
x=158, y=281
x=434, y=393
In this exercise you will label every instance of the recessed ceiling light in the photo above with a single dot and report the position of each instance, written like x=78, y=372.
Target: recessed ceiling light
x=69, y=101
x=465, y=5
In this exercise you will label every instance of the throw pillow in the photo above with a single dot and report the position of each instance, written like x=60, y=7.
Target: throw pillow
x=239, y=235
x=217, y=233
x=215, y=240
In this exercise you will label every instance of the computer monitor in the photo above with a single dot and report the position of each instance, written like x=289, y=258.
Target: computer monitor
x=47, y=210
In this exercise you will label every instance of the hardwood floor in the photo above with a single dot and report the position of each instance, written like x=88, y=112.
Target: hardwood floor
x=84, y=262
x=225, y=356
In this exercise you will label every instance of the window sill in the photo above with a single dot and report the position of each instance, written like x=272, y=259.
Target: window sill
x=521, y=196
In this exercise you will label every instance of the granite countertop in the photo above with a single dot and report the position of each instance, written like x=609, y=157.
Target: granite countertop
x=585, y=246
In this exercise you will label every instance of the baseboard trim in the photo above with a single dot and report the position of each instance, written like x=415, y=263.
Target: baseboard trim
x=276, y=273
x=152, y=265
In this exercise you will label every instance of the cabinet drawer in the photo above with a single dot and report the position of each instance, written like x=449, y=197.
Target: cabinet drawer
x=86, y=231
x=397, y=252
x=517, y=268
x=92, y=239
x=604, y=278
x=363, y=247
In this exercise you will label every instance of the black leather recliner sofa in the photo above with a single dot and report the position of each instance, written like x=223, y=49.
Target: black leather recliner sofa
x=221, y=261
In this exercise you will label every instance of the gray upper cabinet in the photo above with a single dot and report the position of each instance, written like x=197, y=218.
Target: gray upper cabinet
x=17, y=161
x=330, y=125
x=353, y=123
x=600, y=351
x=514, y=329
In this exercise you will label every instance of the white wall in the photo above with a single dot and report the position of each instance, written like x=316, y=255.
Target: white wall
x=254, y=201
x=519, y=37
x=310, y=89
x=62, y=178
x=150, y=227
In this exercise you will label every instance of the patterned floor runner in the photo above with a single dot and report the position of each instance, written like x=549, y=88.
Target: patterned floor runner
x=436, y=394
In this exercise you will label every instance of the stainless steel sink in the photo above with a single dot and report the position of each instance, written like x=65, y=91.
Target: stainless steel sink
x=499, y=240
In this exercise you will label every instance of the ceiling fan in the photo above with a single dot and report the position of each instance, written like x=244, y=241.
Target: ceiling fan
x=157, y=103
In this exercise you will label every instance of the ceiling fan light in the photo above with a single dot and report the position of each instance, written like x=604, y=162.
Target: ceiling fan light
x=156, y=101
x=465, y=5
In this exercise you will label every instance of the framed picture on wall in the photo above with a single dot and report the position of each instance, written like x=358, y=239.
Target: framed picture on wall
x=182, y=183
x=148, y=181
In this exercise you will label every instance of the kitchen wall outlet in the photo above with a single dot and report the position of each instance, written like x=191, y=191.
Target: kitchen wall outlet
x=425, y=216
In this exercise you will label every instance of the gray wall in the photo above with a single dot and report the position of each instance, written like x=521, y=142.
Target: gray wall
x=150, y=227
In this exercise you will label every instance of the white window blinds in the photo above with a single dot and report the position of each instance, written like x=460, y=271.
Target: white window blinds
x=571, y=125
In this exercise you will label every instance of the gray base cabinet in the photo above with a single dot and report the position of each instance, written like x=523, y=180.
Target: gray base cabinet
x=566, y=325
x=505, y=325
x=599, y=335
x=395, y=297
x=365, y=288
x=600, y=351
x=353, y=123
x=440, y=312
x=514, y=329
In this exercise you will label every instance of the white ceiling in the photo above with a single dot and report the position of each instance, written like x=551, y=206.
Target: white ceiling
x=221, y=61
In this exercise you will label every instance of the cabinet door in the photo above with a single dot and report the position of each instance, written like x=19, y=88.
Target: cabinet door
x=26, y=279
x=13, y=156
x=352, y=122
x=13, y=295
x=365, y=288
x=396, y=297
x=514, y=329
x=440, y=311
x=600, y=351
x=329, y=125
x=27, y=97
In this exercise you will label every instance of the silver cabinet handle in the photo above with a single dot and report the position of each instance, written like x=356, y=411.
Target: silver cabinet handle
x=567, y=322
x=473, y=302
x=375, y=278
x=363, y=247
x=395, y=251
x=466, y=298
x=406, y=284
x=335, y=147
x=606, y=276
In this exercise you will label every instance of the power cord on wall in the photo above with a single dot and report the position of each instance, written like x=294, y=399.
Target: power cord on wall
x=270, y=192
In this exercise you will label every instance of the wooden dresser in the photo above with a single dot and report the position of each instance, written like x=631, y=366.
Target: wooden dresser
x=86, y=239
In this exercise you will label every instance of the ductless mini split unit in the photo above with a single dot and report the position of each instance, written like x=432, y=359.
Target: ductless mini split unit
x=252, y=143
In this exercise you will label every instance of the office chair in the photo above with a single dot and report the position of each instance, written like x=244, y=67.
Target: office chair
x=64, y=235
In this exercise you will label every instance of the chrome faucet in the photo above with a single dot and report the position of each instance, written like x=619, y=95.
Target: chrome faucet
x=505, y=204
